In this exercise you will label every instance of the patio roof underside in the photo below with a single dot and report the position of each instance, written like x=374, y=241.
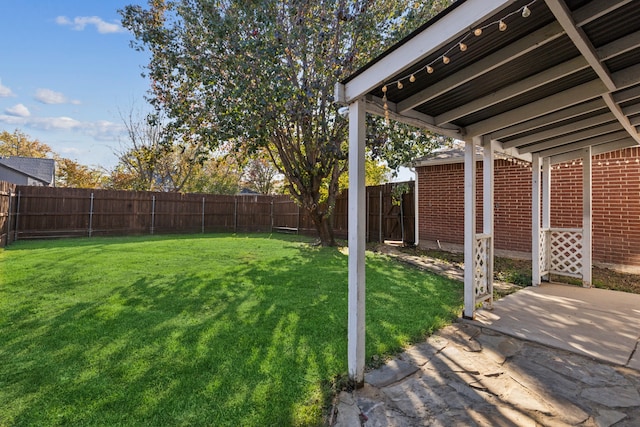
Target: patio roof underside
x=562, y=79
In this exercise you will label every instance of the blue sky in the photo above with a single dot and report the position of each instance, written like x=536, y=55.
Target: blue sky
x=67, y=73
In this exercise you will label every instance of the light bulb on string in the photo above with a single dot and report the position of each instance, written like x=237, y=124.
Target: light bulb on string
x=445, y=59
x=429, y=69
x=400, y=85
x=477, y=32
x=412, y=78
x=526, y=12
x=502, y=26
x=463, y=47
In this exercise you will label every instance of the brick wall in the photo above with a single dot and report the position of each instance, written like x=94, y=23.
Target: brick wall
x=616, y=204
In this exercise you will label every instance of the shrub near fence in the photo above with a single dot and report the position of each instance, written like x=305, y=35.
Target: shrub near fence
x=45, y=212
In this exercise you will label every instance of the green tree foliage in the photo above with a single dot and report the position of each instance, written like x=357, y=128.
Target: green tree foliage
x=260, y=175
x=261, y=75
x=20, y=144
x=70, y=173
x=148, y=163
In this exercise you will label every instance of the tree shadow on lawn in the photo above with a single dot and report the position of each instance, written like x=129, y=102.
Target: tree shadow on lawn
x=254, y=347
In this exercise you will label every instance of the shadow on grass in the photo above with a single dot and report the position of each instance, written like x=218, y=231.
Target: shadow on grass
x=255, y=345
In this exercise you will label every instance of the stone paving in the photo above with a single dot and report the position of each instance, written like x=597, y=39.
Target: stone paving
x=465, y=375
x=468, y=375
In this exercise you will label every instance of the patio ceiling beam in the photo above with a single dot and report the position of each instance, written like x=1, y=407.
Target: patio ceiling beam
x=558, y=101
x=627, y=94
x=635, y=120
x=576, y=136
x=491, y=62
x=596, y=9
x=450, y=26
x=632, y=109
x=523, y=86
x=621, y=116
x=549, y=119
x=595, y=150
x=561, y=130
x=375, y=105
x=627, y=77
x=603, y=139
x=620, y=46
x=580, y=40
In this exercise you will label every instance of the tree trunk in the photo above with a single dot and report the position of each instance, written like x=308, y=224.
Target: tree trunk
x=322, y=221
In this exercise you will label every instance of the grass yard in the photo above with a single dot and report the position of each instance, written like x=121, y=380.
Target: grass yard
x=216, y=330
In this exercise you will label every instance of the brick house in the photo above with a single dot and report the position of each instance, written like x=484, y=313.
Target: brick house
x=616, y=204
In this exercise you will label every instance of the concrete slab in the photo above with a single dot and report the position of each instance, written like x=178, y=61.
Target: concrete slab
x=598, y=323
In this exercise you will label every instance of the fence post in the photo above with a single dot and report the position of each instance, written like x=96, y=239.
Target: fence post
x=235, y=215
x=153, y=213
x=271, y=214
x=15, y=239
x=380, y=220
x=91, y=215
x=9, y=219
x=298, y=221
x=368, y=216
x=203, y=215
x=402, y=218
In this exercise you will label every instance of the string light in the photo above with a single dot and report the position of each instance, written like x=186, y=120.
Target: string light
x=386, y=106
x=524, y=12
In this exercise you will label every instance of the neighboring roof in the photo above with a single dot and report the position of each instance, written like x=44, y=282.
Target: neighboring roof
x=564, y=78
x=444, y=157
x=40, y=169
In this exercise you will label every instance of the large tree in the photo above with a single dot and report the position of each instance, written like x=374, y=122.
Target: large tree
x=20, y=144
x=261, y=75
x=70, y=173
x=146, y=162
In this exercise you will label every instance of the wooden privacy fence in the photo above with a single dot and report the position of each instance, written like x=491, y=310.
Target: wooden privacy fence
x=30, y=212
x=7, y=209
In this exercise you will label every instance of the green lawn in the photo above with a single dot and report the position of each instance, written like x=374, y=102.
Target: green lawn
x=209, y=330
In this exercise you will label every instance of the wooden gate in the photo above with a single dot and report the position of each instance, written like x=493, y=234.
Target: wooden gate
x=391, y=213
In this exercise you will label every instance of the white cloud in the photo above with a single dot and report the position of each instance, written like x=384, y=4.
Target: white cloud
x=80, y=22
x=48, y=96
x=101, y=130
x=18, y=110
x=5, y=92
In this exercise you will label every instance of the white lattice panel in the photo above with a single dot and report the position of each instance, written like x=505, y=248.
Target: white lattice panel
x=544, y=251
x=483, y=283
x=565, y=249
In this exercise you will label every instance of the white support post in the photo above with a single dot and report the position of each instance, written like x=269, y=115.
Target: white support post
x=535, y=220
x=586, y=218
x=546, y=193
x=416, y=210
x=488, y=207
x=469, y=226
x=357, y=221
x=546, y=202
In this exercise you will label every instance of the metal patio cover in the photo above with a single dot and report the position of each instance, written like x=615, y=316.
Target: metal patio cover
x=565, y=77
x=541, y=80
